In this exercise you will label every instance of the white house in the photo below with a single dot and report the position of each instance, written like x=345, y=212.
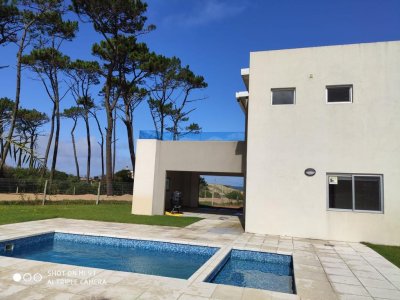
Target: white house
x=321, y=157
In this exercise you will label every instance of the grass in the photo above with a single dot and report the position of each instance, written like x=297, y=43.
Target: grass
x=391, y=253
x=108, y=212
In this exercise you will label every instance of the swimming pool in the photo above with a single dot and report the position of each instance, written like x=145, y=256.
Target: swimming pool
x=129, y=255
x=260, y=270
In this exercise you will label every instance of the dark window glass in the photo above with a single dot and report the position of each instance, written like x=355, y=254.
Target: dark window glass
x=340, y=192
x=339, y=94
x=282, y=96
x=367, y=192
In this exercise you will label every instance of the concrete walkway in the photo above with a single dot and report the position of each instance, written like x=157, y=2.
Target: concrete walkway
x=323, y=269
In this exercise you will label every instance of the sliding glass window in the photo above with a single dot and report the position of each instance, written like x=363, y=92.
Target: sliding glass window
x=355, y=192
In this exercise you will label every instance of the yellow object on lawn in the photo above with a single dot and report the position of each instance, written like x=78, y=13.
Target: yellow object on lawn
x=167, y=213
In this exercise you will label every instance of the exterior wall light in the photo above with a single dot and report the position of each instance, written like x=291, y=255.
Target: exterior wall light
x=310, y=172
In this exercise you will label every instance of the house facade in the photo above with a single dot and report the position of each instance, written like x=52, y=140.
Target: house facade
x=321, y=156
x=333, y=111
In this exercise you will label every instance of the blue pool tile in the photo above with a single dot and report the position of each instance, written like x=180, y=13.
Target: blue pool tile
x=138, y=256
x=260, y=270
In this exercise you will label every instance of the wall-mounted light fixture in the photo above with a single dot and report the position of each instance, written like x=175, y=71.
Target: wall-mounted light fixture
x=309, y=172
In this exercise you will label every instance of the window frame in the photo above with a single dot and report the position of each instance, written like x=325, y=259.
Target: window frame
x=350, y=86
x=283, y=89
x=352, y=175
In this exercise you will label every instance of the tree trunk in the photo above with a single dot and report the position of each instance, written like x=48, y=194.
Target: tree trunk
x=109, y=132
x=19, y=163
x=74, y=147
x=89, y=147
x=101, y=145
x=56, y=139
x=175, y=130
x=114, y=142
x=46, y=155
x=162, y=128
x=129, y=130
x=31, y=146
x=1, y=140
x=17, y=100
x=109, y=135
x=102, y=157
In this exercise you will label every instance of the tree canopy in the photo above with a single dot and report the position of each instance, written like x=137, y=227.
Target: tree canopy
x=9, y=21
x=121, y=74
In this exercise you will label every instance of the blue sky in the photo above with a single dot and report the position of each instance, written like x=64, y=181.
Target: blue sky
x=215, y=37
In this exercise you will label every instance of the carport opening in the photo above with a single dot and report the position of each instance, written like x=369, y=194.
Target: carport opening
x=213, y=192
x=221, y=192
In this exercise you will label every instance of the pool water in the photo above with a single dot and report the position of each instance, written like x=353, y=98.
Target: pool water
x=138, y=256
x=260, y=270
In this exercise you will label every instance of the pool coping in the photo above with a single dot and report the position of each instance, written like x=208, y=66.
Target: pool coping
x=198, y=277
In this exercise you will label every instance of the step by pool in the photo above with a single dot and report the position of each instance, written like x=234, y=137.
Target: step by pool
x=129, y=255
x=260, y=270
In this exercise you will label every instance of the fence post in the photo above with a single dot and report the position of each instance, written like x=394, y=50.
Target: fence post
x=98, y=193
x=74, y=190
x=44, y=192
x=16, y=190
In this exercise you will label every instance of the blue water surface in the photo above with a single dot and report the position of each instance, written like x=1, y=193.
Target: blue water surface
x=260, y=270
x=138, y=256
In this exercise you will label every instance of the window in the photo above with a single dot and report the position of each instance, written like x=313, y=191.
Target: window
x=355, y=192
x=339, y=93
x=283, y=96
x=340, y=192
x=367, y=191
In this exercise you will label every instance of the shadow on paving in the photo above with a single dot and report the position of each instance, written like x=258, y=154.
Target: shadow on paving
x=237, y=212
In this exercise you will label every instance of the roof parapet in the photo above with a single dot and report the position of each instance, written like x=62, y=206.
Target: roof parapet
x=243, y=99
x=245, y=72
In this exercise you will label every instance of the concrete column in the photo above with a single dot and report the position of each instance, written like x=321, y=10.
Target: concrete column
x=194, y=192
x=146, y=178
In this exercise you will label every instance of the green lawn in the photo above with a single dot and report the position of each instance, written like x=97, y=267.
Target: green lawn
x=109, y=212
x=391, y=253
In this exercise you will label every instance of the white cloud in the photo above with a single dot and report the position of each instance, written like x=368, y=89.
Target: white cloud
x=205, y=12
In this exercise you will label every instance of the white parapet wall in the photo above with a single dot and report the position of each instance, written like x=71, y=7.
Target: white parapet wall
x=154, y=158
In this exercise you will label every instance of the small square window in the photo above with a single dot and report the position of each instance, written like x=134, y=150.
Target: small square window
x=339, y=93
x=283, y=96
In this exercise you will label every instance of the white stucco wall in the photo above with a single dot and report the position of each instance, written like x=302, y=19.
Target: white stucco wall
x=154, y=158
x=358, y=137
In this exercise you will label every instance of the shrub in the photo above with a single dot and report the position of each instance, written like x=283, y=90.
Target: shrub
x=234, y=195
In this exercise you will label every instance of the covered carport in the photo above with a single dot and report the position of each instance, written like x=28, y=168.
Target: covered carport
x=165, y=166
x=188, y=183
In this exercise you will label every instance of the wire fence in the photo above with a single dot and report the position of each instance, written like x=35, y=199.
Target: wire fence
x=24, y=189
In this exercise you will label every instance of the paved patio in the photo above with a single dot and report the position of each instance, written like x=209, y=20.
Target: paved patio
x=323, y=269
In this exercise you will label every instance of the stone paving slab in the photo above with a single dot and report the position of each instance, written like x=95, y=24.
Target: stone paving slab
x=322, y=269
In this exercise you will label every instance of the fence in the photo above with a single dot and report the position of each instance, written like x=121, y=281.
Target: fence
x=23, y=189
x=201, y=136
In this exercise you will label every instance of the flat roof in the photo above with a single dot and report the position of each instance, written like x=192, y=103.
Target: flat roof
x=324, y=46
